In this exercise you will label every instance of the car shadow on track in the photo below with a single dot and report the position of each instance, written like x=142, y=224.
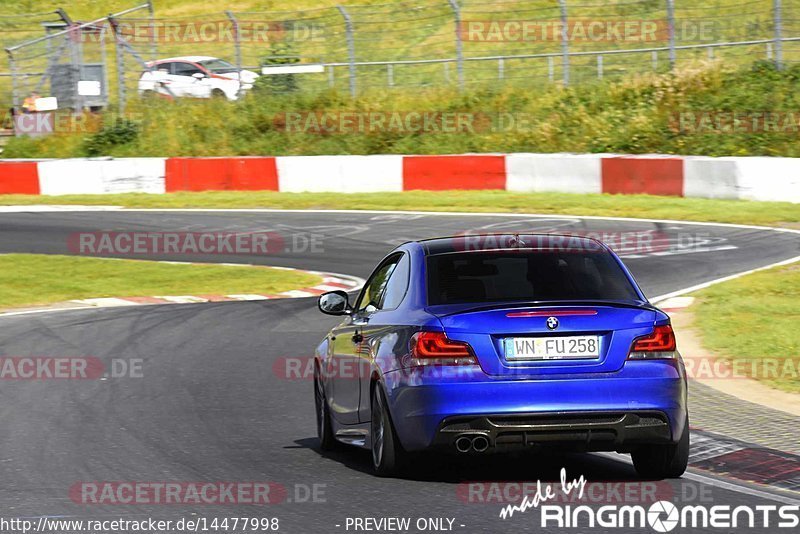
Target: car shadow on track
x=541, y=465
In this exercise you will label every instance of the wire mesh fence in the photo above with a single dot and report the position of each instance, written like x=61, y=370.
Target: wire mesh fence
x=408, y=44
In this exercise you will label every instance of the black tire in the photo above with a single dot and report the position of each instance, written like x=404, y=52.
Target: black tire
x=388, y=456
x=219, y=94
x=663, y=461
x=324, y=428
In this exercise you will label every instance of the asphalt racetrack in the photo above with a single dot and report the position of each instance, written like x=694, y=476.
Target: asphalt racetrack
x=210, y=406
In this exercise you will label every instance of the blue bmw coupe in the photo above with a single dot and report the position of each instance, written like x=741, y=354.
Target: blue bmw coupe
x=484, y=343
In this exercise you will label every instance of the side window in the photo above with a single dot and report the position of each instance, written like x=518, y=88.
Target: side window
x=372, y=294
x=165, y=67
x=397, y=285
x=184, y=69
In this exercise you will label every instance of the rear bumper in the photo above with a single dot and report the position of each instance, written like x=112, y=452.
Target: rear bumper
x=577, y=431
x=645, y=402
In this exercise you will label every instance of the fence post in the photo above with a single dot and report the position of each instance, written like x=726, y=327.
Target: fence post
x=600, y=67
x=562, y=4
x=390, y=74
x=351, y=48
x=76, y=63
x=501, y=69
x=459, y=44
x=671, y=32
x=778, y=17
x=106, y=86
x=153, y=37
x=14, y=89
x=237, y=45
x=120, y=65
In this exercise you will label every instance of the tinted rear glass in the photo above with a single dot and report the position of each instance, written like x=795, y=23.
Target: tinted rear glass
x=518, y=275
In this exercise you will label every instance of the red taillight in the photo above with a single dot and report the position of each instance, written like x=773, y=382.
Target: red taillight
x=660, y=343
x=435, y=347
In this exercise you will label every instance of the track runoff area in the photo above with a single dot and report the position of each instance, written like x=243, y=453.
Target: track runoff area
x=217, y=403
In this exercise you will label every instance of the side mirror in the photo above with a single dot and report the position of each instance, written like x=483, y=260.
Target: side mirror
x=334, y=303
x=198, y=75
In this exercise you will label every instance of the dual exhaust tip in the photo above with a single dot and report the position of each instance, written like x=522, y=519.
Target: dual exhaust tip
x=477, y=443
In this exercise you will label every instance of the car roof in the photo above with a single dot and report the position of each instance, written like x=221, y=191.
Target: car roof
x=510, y=241
x=194, y=59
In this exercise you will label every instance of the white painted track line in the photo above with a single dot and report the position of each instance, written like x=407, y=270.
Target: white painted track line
x=704, y=285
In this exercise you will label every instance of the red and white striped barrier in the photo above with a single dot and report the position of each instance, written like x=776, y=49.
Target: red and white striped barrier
x=750, y=178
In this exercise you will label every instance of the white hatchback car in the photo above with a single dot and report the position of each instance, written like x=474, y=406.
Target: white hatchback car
x=196, y=77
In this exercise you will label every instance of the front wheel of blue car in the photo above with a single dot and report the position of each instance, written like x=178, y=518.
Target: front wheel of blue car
x=388, y=456
x=663, y=461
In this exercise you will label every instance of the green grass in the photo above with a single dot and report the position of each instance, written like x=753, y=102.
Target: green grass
x=753, y=318
x=635, y=116
x=33, y=279
x=645, y=206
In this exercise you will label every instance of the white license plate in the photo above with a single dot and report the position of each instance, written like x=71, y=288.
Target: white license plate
x=552, y=348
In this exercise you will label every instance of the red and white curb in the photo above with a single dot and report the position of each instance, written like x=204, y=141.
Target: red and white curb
x=674, y=304
x=746, y=178
x=330, y=282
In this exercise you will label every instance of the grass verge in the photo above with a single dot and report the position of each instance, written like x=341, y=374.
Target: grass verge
x=690, y=111
x=645, y=206
x=754, y=319
x=34, y=279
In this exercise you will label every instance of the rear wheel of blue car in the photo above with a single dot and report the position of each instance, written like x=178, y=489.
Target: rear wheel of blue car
x=388, y=456
x=663, y=461
x=324, y=429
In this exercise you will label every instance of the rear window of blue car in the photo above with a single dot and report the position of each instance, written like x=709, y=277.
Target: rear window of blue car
x=526, y=275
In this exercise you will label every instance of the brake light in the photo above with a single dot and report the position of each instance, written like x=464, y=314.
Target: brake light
x=658, y=344
x=435, y=348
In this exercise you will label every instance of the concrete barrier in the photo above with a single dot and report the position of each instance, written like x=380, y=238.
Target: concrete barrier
x=439, y=173
x=221, y=174
x=565, y=173
x=101, y=176
x=342, y=174
x=748, y=178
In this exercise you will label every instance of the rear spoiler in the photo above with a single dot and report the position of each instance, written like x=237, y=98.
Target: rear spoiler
x=448, y=308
